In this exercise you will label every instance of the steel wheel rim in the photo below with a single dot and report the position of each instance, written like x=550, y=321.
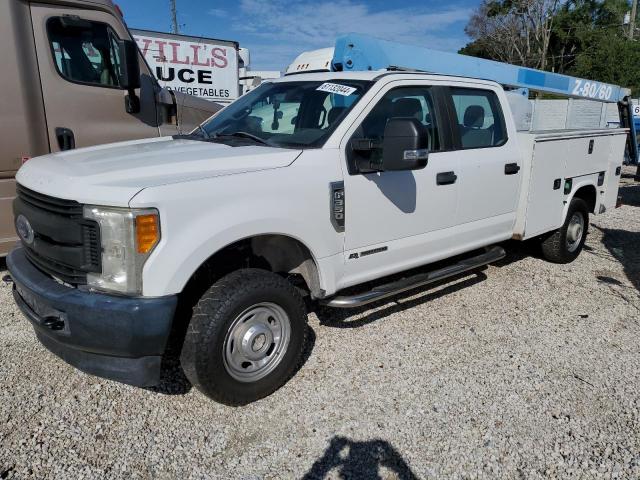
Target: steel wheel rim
x=575, y=231
x=256, y=342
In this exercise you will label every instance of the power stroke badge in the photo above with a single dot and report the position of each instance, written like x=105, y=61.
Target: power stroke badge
x=337, y=205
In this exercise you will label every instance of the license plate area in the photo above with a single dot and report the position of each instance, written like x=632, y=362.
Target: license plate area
x=43, y=314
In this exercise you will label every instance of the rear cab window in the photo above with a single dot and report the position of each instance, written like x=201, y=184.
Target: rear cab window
x=479, y=117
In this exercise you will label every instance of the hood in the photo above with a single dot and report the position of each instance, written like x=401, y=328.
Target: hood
x=112, y=174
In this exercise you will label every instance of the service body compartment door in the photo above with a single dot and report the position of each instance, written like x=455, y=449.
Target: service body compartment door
x=545, y=202
x=77, y=60
x=586, y=155
x=612, y=177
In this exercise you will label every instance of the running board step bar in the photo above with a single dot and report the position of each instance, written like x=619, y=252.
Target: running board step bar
x=492, y=254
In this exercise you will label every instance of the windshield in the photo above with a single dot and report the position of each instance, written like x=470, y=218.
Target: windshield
x=288, y=114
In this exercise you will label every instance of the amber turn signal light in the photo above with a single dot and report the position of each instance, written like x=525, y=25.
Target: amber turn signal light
x=147, y=232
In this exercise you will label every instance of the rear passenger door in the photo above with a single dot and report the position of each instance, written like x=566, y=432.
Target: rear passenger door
x=489, y=172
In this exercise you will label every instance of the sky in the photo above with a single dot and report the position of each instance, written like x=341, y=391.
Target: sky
x=276, y=31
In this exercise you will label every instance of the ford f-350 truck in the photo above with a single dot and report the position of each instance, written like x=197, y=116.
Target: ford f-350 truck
x=305, y=186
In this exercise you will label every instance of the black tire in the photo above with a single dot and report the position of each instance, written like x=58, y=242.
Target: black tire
x=203, y=353
x=555, y=246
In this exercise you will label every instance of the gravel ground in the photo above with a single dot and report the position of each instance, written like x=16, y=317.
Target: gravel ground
x=526, y=369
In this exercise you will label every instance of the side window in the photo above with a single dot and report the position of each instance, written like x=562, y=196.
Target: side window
x=84, y=52
x=334, y=108
x=480, y=120
x=416, y=102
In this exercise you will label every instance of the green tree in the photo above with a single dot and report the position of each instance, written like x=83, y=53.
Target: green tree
x=609, y=58
x=587, y=39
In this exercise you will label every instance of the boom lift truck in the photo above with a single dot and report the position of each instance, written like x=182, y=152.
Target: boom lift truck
x=305, y=186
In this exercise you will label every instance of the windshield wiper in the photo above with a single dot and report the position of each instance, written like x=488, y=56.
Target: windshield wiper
x=193, y=135
x=243, y=135
x=204, y=132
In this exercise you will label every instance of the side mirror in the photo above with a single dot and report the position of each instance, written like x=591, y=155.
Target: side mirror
x=129, y=74
x=405, y=145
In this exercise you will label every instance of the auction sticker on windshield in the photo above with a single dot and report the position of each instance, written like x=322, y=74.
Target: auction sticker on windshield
x=336, y=88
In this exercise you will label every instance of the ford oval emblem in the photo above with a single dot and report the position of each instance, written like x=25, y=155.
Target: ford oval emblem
x=24, y=229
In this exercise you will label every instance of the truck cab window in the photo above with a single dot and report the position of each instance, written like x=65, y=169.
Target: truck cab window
x=334, y=109
x=411, y=102
x=480, y=120
x=415, y=102
x=85, y=52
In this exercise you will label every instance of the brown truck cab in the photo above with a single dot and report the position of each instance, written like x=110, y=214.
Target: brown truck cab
x=72, y=76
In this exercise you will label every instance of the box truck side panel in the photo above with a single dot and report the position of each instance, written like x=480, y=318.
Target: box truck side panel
x=202, y=67
x=22, y=121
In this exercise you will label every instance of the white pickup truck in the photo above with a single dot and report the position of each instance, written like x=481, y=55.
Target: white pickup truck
x=303, y=187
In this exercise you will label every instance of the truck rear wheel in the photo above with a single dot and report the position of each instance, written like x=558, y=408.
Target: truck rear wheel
x=565, y=244
x=245, y=337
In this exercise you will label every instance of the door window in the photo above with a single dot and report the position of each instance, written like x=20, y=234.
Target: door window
x=404, y=102
x=480, y=120
x=84, y=51
x=412, y=102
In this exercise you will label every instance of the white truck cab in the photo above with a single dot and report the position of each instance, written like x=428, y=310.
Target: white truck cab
x=305, y=186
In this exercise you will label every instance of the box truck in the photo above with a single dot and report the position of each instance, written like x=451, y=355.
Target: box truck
x=72, y=76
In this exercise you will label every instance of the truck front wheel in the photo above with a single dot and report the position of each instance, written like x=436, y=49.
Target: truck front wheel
x=565, y=244
x=245, y=337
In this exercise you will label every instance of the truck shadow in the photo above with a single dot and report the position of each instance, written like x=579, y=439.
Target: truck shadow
x=630, y=195
x=173, y=381
x=623, y=246
x=338, y=318
x=359, y=460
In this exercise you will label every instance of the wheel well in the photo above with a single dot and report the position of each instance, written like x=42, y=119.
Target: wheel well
x=276, y=253
x=589, y=194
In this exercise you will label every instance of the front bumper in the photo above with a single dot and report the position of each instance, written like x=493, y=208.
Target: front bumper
x=120, y=338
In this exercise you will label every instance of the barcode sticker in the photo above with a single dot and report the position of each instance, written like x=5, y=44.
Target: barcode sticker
x=336, y=88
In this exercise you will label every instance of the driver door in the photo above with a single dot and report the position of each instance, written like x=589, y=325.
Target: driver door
x=397, y=219
x=78, y=64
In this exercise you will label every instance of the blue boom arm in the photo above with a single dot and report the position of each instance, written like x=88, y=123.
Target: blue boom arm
x=355, y=52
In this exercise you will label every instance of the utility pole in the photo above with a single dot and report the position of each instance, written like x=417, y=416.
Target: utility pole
x=632, y=19
x=174, y=16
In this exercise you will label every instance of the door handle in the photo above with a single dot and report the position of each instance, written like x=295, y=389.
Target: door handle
x=511, y=168
x=446, y=178
x=66, y=140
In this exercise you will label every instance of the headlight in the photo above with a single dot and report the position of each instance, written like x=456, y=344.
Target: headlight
x=128, y=236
